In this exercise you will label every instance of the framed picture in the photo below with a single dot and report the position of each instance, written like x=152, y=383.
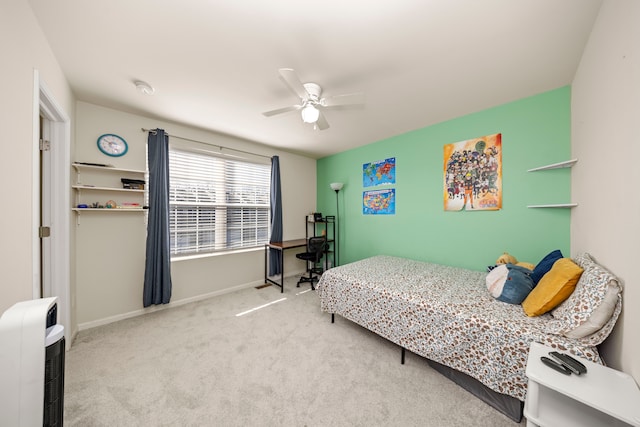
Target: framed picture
x=378, y=173
x=379, y=202
x=473, y=174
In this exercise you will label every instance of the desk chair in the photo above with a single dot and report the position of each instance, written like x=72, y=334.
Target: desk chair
x=316, y=247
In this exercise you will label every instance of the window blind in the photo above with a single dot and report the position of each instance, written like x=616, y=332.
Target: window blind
x=216, y=203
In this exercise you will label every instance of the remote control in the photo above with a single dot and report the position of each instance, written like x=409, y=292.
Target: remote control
x=572, y=364
x=555, y=365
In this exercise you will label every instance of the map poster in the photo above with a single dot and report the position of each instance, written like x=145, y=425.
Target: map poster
x=380, y=172
x=473, y=174
x=379, y=202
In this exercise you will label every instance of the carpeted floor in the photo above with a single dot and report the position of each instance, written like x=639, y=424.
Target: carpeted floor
x=285, y=364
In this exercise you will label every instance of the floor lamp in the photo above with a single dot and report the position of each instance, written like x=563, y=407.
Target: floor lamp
x=337, y=186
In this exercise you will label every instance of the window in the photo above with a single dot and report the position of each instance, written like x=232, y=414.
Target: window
x=216, y=203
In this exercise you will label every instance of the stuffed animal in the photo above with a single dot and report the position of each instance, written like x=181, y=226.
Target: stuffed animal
x=507, y=258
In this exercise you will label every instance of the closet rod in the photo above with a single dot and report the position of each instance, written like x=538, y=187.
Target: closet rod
x=208, y=143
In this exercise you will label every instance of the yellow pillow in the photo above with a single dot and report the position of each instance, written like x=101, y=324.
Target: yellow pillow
x=554, y=287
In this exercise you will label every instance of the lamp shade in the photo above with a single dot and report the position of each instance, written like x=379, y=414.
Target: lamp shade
x=310, y=114
x=336, y=186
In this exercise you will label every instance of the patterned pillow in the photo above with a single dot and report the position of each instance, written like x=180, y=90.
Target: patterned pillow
x=592, y=305
x=598, y=337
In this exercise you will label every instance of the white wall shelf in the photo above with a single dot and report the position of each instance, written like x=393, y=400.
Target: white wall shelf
x=601, y=397
x=557, y=205
x=108, y=209
x=103, y=183
x=559, y=165
x=91, y=187
x=80, y=166
x=565, y=164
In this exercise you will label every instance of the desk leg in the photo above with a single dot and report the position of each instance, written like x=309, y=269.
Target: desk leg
x=282, y=271
x=266, y=249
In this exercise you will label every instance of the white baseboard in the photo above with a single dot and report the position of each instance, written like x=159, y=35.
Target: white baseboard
x=154, y=308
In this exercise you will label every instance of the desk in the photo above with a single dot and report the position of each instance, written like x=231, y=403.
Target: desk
x=280, y=246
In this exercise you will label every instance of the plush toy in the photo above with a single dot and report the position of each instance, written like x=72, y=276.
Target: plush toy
x=507, y=258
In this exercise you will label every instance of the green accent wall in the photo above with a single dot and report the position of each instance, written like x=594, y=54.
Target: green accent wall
x=536, y=131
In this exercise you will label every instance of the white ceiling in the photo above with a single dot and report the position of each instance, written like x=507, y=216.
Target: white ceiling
x=214, y=63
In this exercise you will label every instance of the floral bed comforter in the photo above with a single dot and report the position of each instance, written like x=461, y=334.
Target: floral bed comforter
x=445, y=314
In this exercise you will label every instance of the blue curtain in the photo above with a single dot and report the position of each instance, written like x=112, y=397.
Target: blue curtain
x=157, y=273
x=276, y=217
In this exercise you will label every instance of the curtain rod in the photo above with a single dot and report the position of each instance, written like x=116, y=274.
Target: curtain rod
x=208, y=143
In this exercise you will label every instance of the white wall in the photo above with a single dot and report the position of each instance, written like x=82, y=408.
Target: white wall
x=23, y=48
x=111, y=246
x=605, y=117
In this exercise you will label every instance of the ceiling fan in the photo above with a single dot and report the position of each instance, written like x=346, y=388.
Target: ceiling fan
x=311, y=101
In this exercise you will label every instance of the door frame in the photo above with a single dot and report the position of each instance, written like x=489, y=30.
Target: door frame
x=59, y=252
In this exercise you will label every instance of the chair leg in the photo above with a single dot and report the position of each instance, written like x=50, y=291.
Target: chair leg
x=309, y=279
x=304, y=279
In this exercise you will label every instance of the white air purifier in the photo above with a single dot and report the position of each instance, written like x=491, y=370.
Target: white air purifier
x=31, y=365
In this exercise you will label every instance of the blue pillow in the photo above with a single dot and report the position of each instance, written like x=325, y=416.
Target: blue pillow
x=545, y=265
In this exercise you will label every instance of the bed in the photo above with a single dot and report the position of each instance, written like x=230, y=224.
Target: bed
x=446, y=315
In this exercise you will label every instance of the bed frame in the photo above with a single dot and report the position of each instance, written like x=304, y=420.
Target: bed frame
x=446, y=315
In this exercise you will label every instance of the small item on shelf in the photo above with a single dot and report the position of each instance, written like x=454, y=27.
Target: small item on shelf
x=133, y=184
x=317, y=217
x=102, y=165
x=130, y=206
x=82, y=206
x=111, y=204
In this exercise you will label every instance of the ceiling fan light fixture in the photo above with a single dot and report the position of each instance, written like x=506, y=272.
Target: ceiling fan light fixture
x=310, y=114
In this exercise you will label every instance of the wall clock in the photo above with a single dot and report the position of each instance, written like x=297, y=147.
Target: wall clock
x=112, y=145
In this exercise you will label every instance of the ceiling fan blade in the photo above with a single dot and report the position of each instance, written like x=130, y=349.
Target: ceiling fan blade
x=282, y=110
x=346, y=100
x=322, y=123
x=291, y=79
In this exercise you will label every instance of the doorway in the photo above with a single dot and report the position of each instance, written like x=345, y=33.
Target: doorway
x=51, y=204
x=44, y=231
